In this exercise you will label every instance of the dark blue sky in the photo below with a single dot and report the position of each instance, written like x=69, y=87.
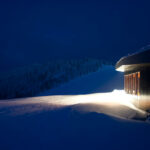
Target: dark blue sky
x=37, y=31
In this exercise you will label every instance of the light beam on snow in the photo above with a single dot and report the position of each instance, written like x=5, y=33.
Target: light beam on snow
x=117, y=97
x=113, y=98
x=115, y=103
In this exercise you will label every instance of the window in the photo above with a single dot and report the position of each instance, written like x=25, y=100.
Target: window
x=132, y=83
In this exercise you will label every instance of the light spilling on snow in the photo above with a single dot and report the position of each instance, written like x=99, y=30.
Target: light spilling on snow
x=113, y=98
x=117, y=97
x=116, y=103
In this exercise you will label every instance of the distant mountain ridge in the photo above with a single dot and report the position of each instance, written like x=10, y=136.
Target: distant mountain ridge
x=31, y=80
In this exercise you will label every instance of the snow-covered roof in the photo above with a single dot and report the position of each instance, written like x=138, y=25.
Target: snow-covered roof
x=141, y=58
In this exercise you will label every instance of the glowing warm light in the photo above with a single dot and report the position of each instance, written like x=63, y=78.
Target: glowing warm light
x=112, y=98
x=116, y=103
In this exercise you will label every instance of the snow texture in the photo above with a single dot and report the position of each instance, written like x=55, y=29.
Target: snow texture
x=73, y=117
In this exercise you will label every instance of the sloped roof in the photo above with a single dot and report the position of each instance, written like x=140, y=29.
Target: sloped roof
x=141, y=58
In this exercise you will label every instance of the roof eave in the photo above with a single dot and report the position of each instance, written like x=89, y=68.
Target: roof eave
x=130, y=67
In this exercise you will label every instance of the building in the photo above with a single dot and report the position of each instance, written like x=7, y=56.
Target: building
x=136, y=68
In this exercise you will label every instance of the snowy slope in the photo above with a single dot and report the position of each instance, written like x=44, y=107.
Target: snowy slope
x=31, y=80
x=104, y=80
x=83, y=114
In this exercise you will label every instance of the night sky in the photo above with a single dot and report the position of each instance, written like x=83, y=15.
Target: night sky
x=38, y=31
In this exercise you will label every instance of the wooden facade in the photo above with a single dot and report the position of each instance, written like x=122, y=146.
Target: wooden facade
x=132, y=83
x=136, y=68
x=137, y=82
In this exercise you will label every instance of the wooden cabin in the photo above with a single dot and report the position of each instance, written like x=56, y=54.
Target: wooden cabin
x=136, y=68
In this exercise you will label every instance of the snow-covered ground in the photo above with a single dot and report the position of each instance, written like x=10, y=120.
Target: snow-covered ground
x=91, y=112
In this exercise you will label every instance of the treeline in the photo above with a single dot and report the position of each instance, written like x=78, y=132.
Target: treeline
x=29, y=81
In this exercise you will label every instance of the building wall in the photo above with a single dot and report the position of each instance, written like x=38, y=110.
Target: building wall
x=145, y=81
x=132, y=83
x=137, y=83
